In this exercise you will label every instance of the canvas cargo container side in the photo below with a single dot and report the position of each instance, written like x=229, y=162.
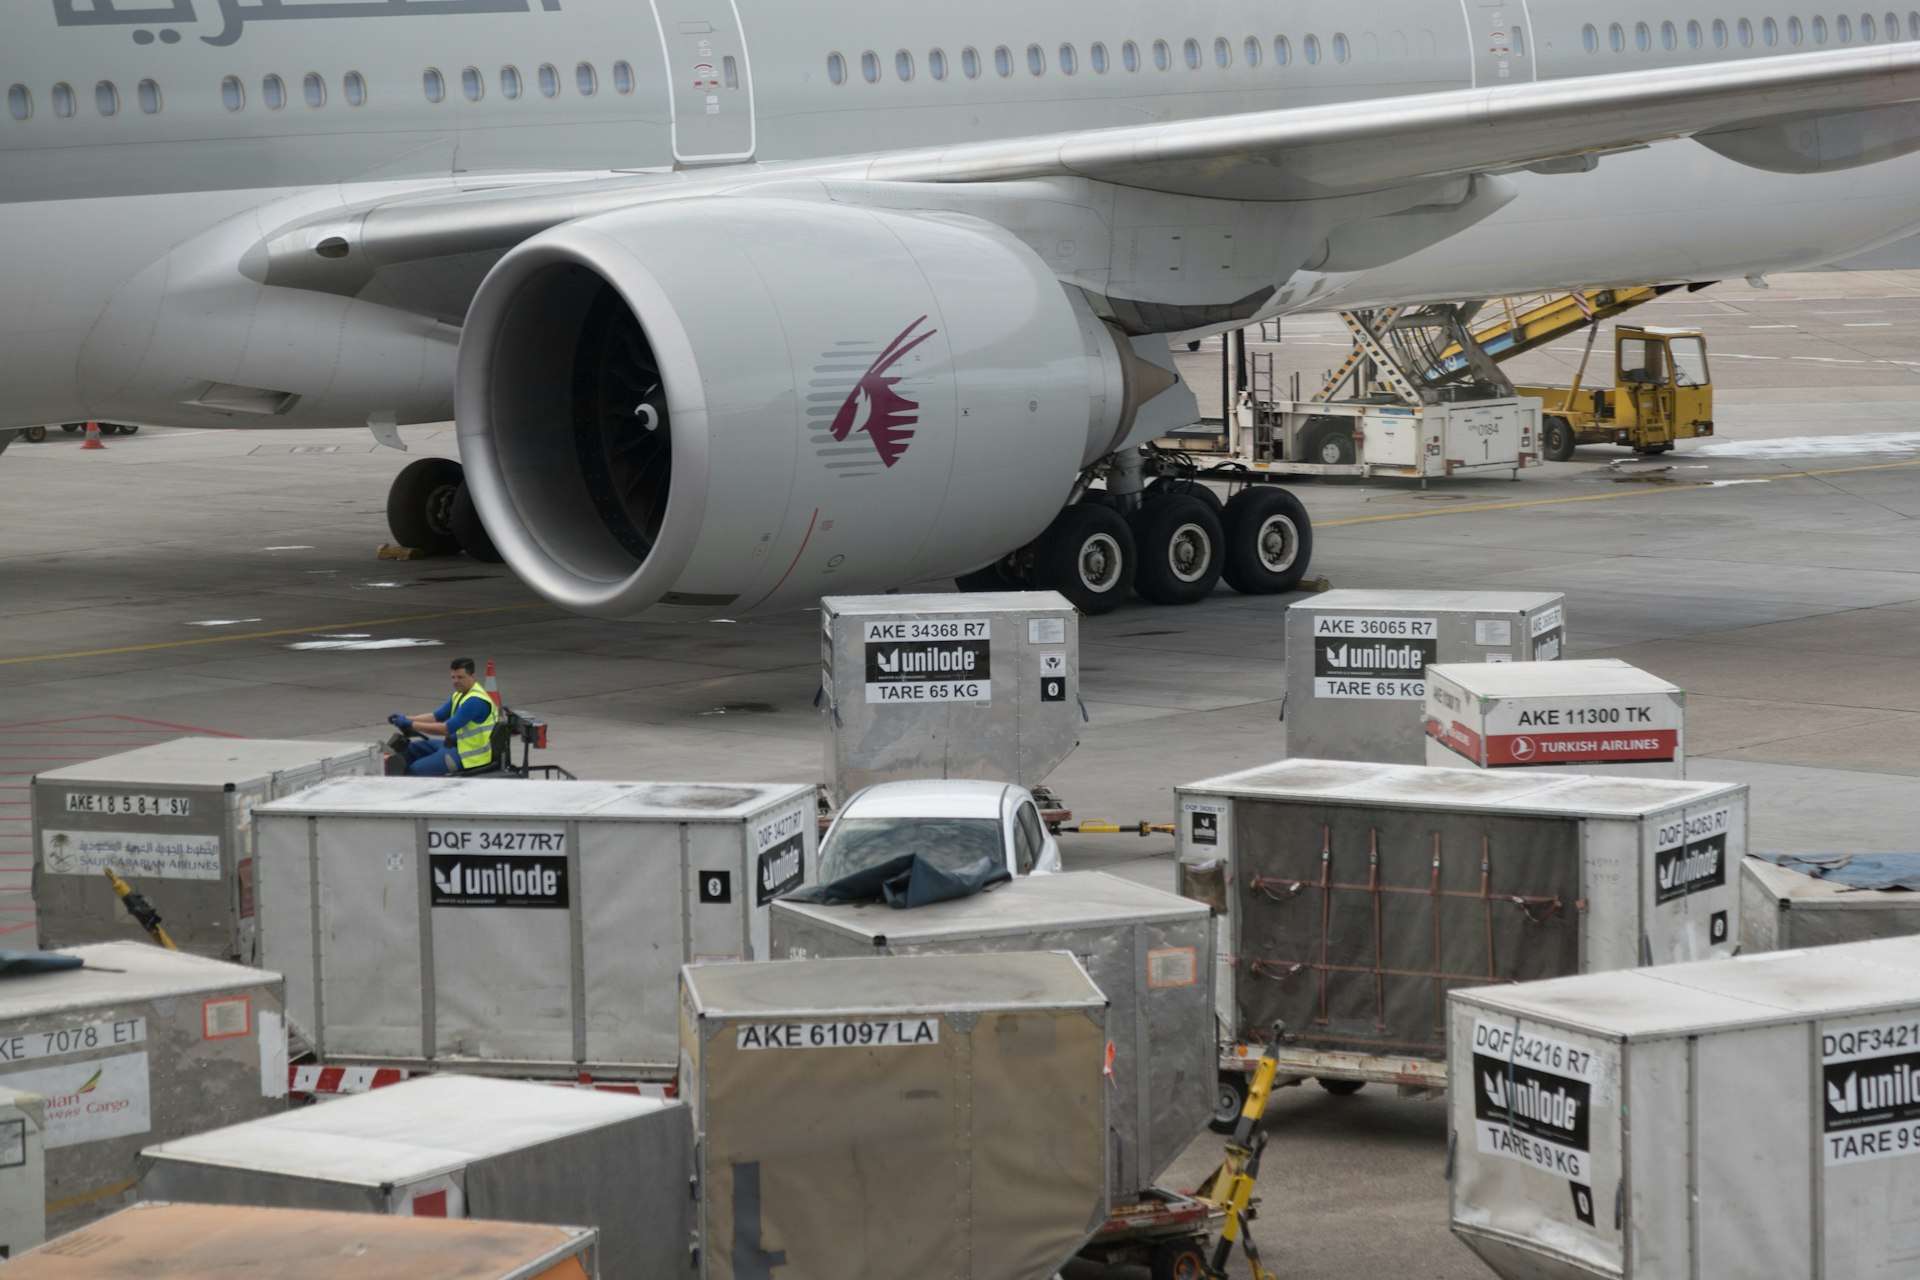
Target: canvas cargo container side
x=175, y=820
x=1150, y=952
x=137, y=1046
x=948, y=686
x=451, y=1146
x=1357, y=660
x=944, y=1113
x=404, y=909
x=1857, y=898
x=1591, y=716
x=1755, y=1117
x=1360, y=894
x=195, y=1241
x=23, y=1172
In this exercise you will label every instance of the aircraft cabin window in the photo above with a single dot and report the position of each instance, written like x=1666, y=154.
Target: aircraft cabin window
x=19, y=102
x=106, y=98
x=1036, y=60
x=509, y=84
x=1866, y=28
x=586, y=79
x=870, y=67
x=1746, y=33
x=471, y=86
x=1913, y=24
x=1282, y=50
x=1250, y=50
x=1222, y=53
x=1669, y=36
x=1097, y=57
x=1719, y=33
x=1130, y=56
x=149, y=94
x=233, y=95
x=550, y=80
x=903, y=65
x=836, y=69
x=1069, y=60
x=1519, y=43
x=1162, y=55
x=1893, y=26
x=1819, y=30
x=1617, y=38
x=1310, y=48
x=273, y=92
x=434, y=84
x=1190, y=50
x=1793, y=31
x=623, y=75
x=937, y=63
x=354, y=85
x=1693, y=35
x=1642, y=37
x=1002, y=61
x=970, y=63
x=1843, y=29
x=63, y=102
x=1770, y=32
x=1342, y=50
x=1590, y=37
x=316, y=89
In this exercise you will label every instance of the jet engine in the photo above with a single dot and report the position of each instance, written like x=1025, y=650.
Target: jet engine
x=701, y=408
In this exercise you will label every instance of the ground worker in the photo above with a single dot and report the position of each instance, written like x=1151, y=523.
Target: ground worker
x=463, y=723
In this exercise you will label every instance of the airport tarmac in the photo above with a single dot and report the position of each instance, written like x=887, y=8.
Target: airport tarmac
x=225, y=582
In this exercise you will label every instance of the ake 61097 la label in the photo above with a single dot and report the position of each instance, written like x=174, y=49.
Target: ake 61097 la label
x=868, y=1033
x=1373, y=656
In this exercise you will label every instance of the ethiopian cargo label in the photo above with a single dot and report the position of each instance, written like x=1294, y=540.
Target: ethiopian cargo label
x=780, y=855
x=1870, y=1075
x=1690, y=854
x=134, y=854
x=498, y=880
x=872, y=1033
x=1369, y=656
x=90, y=1100
x=929, y=660
x=1531, y=1100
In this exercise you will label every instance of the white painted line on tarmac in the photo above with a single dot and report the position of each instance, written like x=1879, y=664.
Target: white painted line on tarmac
x=1871, y=324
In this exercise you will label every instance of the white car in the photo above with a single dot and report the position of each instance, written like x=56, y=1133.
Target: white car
x=952, y=823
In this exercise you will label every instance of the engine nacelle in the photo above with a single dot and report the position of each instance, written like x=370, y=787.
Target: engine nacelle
x=707, y=407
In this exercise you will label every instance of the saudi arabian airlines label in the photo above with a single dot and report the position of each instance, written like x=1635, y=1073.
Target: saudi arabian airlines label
x=1532, y=1099
x=1870, y=1081
x=929, y=660
x=1373, y=656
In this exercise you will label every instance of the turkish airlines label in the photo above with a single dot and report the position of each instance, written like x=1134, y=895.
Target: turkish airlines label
x=1532, y=1100
x=1580, y=748
x=929, y=660
x=1870, y=1081
x=1586, y=730
x=1690, y=855
x=1372, y=656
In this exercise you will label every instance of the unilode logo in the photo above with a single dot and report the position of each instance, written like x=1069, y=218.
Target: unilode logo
x=955, y=659
x=1529, y=1100
x=1377, y=657
x=1883, y=1085
x=504, y=880
x=873, y=407
x=1689, y=869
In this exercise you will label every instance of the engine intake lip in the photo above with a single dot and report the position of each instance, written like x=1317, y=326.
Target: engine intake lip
x=514, y=406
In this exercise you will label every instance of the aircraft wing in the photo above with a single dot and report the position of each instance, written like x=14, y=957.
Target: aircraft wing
x=1798, y=113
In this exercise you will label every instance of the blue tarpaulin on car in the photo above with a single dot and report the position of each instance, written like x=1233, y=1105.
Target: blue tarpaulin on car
x=910, y=880
x=13, y=964
x=1855, y=870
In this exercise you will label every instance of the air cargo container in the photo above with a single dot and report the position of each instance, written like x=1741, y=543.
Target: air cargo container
x=176, y=821
x=23, y=1172
x=496, y=925
x=1357, y=895
x=944, y=1114
x=1783, y=906
x=1591, y=716
x=982, y=685
x=452, y=1146
x=136, y=1046
x=1758, y=1116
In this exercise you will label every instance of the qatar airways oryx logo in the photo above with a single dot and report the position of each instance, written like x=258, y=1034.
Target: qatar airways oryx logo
x=873, y=408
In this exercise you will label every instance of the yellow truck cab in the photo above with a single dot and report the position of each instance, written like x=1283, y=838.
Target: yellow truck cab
x=1662, y=392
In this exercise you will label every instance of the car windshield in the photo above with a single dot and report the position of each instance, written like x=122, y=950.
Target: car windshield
x=858, y=843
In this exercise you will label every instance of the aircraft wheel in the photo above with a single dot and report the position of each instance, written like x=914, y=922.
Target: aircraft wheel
x=1556, y=439
x=34, y=435
x=1228, y=1102
x=1269, y=541
x=1180, y=542
x=420, y=505
x=993, y=577
x=1087, y=555
x=468, y=529
x=1170, y=486
x=124, y=428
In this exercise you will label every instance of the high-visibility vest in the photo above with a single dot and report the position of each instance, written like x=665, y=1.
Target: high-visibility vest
x=474, y=747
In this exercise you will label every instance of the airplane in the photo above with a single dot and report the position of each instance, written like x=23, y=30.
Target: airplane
x=736, y=304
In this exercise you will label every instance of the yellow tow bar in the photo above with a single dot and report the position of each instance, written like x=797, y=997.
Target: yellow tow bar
x=140, y=909
x=1098, y=827
x=1230, y=1188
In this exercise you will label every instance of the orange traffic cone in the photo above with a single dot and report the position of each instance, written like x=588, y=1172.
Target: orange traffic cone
x=93, y=437
x=492, y=685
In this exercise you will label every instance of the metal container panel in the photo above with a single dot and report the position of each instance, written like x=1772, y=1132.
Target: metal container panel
x=176, y=820
x=1150, y=952
x=1781, y=907
x=886, y=721
x=977, y=1117
x=23, y=1172
x=1593, y=716
x=391, y=961
x=1356, y=661
x=462, y=1147
x=140, y=1045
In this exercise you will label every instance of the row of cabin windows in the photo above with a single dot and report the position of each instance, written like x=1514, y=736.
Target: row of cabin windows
x=274, y=93
x=1252, y=52
x=1768, y=32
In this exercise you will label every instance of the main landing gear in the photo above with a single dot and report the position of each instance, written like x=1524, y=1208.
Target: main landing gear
x=429, y=508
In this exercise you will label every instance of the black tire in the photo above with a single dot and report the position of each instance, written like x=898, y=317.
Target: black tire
x=72, y=428
x=1087, y=555
x=1179, y=1260
x=1341, y=1088
x=1269, y=541
x=1104, y=498
x=1654, y=450
x=1182, y=550
x=1228, y=1102
x=1168, y=486
x=126, y=428
x=1556, y=439
x=34, y=435
x=993, y=577
x=470, y=531
x=420, y=505
x=1332, y=444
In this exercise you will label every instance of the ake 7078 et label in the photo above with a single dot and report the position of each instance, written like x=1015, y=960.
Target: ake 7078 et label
x=866, y=1033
